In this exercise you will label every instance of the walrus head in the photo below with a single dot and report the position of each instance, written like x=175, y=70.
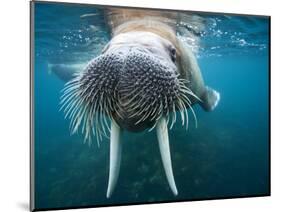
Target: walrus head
x=135, y=84
x=135, y=81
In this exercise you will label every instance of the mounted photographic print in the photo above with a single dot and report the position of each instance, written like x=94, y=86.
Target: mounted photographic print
x=138, y=105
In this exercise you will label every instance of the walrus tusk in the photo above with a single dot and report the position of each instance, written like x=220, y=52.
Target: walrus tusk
x=163, y=140
x=114, y=158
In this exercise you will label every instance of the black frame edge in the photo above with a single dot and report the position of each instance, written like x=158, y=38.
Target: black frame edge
x=31, y=106
x=269, y=105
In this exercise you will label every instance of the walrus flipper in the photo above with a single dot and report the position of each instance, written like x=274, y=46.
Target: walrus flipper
x=210, y=99
x=65, y=72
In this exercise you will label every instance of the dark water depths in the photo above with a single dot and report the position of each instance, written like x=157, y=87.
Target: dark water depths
x=226, y=156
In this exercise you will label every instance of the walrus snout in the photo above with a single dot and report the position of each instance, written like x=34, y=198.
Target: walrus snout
x=148, y=88
x=134, y=88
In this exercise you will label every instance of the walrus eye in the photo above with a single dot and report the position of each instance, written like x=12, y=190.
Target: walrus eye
x=173, y=54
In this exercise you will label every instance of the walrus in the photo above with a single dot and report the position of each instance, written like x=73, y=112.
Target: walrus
x=142, y=79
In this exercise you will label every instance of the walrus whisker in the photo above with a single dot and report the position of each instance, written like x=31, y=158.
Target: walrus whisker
x=68, y=87
x=66, y=103
x=97, y=128
x=135, y=107
x=153, y=114
x=185, y=98
x=74, y=114
x=78, y=119
x=144, y=108
x=181, y=111
x=132, y=93
x=134, y=114
x=139, y=112
x=97, y=135
x=102, y=129
x=168, y=118
x=145, y=115
x=137, y=104
x=69, y=104
x=74, y=122
x=85, y=90
x=184, y=90
x=110, y=106
x=106, y=106
x=194, y=115
x=159, y=112
x=192, y=94
x=106, y=122
x=184, y=107
x=126, y=89
x=128, y=102
x=107, y=125
x=186, y=114
x=87, y=124
x=102, y=125
x=68, y=84
x=74, y=109
x=69, y=91
x=86, y=128
x=174, y=117
x=151, y=128
x=148, y=111
x=158, y=109
x=68, y=99
x=101, y=116
x=84, y=116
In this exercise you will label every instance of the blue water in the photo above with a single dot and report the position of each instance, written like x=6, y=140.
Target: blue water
x=226, y=156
